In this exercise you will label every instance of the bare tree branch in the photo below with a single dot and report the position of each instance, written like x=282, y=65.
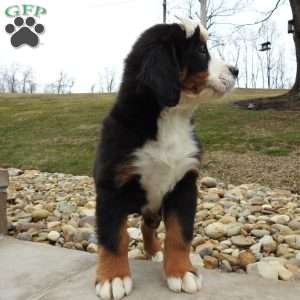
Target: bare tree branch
x=26, y=79
x=269, y=15
x=62, y=84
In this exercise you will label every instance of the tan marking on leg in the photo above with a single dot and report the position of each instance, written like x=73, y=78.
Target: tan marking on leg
x=110, y=265
x=151, y=242
x=177, y=251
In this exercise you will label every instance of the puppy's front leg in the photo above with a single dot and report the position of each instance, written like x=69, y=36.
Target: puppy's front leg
x=113, y=280
x=179, y=214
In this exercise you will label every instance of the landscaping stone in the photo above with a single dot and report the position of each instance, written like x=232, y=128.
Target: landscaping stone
x=53, y=236
x=215, y=230
x=268, y=244
x=246, y=258
x=259, y=232
x=295, y=224
x=293, y=241
x=235, y=226
x=92, y=248
x=242, y=241
x=24, y=236
x=263, y=269
x=210, y=262
x=280, y=219
x=233, y=229
x=39, y=214
x=208, y=182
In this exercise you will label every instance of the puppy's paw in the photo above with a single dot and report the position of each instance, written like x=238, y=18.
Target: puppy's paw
x=115, y=289
x=157, y=257
x=189, y=283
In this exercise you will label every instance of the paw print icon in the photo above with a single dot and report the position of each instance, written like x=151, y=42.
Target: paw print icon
x=24, y=32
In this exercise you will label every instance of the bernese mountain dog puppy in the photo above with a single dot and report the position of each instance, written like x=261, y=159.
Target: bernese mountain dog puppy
x=149, y=155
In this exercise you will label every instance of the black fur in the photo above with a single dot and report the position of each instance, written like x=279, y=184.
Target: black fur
x=182, y=202
x=151, y=82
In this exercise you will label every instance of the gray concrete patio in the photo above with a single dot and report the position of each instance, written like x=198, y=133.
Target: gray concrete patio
x=31, y=271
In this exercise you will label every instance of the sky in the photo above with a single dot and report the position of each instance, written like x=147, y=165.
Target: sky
x=85, y=37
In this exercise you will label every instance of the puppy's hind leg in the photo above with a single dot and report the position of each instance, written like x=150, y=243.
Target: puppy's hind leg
x=152, y=244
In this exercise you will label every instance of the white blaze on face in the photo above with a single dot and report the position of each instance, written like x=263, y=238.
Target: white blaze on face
x=220, y=80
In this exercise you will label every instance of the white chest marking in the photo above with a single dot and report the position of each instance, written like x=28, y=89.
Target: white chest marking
x=164, y=162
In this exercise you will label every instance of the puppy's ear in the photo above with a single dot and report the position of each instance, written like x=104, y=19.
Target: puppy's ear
x=160, y=72
x=196, y=35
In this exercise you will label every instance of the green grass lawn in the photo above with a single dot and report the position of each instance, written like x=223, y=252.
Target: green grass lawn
x=59, y=133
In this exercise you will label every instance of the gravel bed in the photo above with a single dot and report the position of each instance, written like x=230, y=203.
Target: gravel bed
x=245, y=228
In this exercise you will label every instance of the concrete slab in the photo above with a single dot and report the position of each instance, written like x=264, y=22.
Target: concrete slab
x=30, y=271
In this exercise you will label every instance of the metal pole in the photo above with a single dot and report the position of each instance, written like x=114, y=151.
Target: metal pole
x=165, y=11
x=3, y=199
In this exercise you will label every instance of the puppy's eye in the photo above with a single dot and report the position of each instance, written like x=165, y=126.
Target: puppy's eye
x=203, y=49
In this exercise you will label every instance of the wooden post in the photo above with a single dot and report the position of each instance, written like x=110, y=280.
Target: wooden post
x=3, y=199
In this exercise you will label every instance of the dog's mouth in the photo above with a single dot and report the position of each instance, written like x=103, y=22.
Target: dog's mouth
x=221, y=85
x=214, y=87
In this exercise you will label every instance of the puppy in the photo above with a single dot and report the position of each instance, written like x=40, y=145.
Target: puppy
x=149, y=155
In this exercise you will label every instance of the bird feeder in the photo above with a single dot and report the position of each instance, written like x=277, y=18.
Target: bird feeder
x=265, y=46
x=291, y=26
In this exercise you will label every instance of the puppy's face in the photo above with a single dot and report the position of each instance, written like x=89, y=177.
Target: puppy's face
x=172, y=61
x=202, y=74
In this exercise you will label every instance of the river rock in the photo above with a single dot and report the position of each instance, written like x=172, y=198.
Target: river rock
x=24, y=236
x=210, y=262
x=294, y=224
x=134, y=233
x=233, y=229
x=69, y=232
x=259, y=232
x=92, y=248
x=293, y=241
x=53, y=236
x=242, y=241
x=205, y=249
x=246, y=258
x=39, y=214
x=208, y=182
x=263, y=269
x=227, y=219
x=211, y=197
x=215, y=230
x=280, y=219
x=268, y=244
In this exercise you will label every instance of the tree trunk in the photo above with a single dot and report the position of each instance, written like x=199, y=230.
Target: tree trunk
x=295, y=5
x=203, y=12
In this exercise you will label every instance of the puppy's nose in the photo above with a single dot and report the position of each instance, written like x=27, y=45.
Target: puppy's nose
x=234, y=71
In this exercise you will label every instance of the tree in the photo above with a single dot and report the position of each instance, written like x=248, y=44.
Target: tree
x=107, y=81
x=93, y=88
x=212, y=13
x=295, y=6
x=26, y=79
x=2, y=82
x=63, y=84
x=203, y=12
x=71, y=85
x=32, y=87
x=10, y=78
x=269, y=33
